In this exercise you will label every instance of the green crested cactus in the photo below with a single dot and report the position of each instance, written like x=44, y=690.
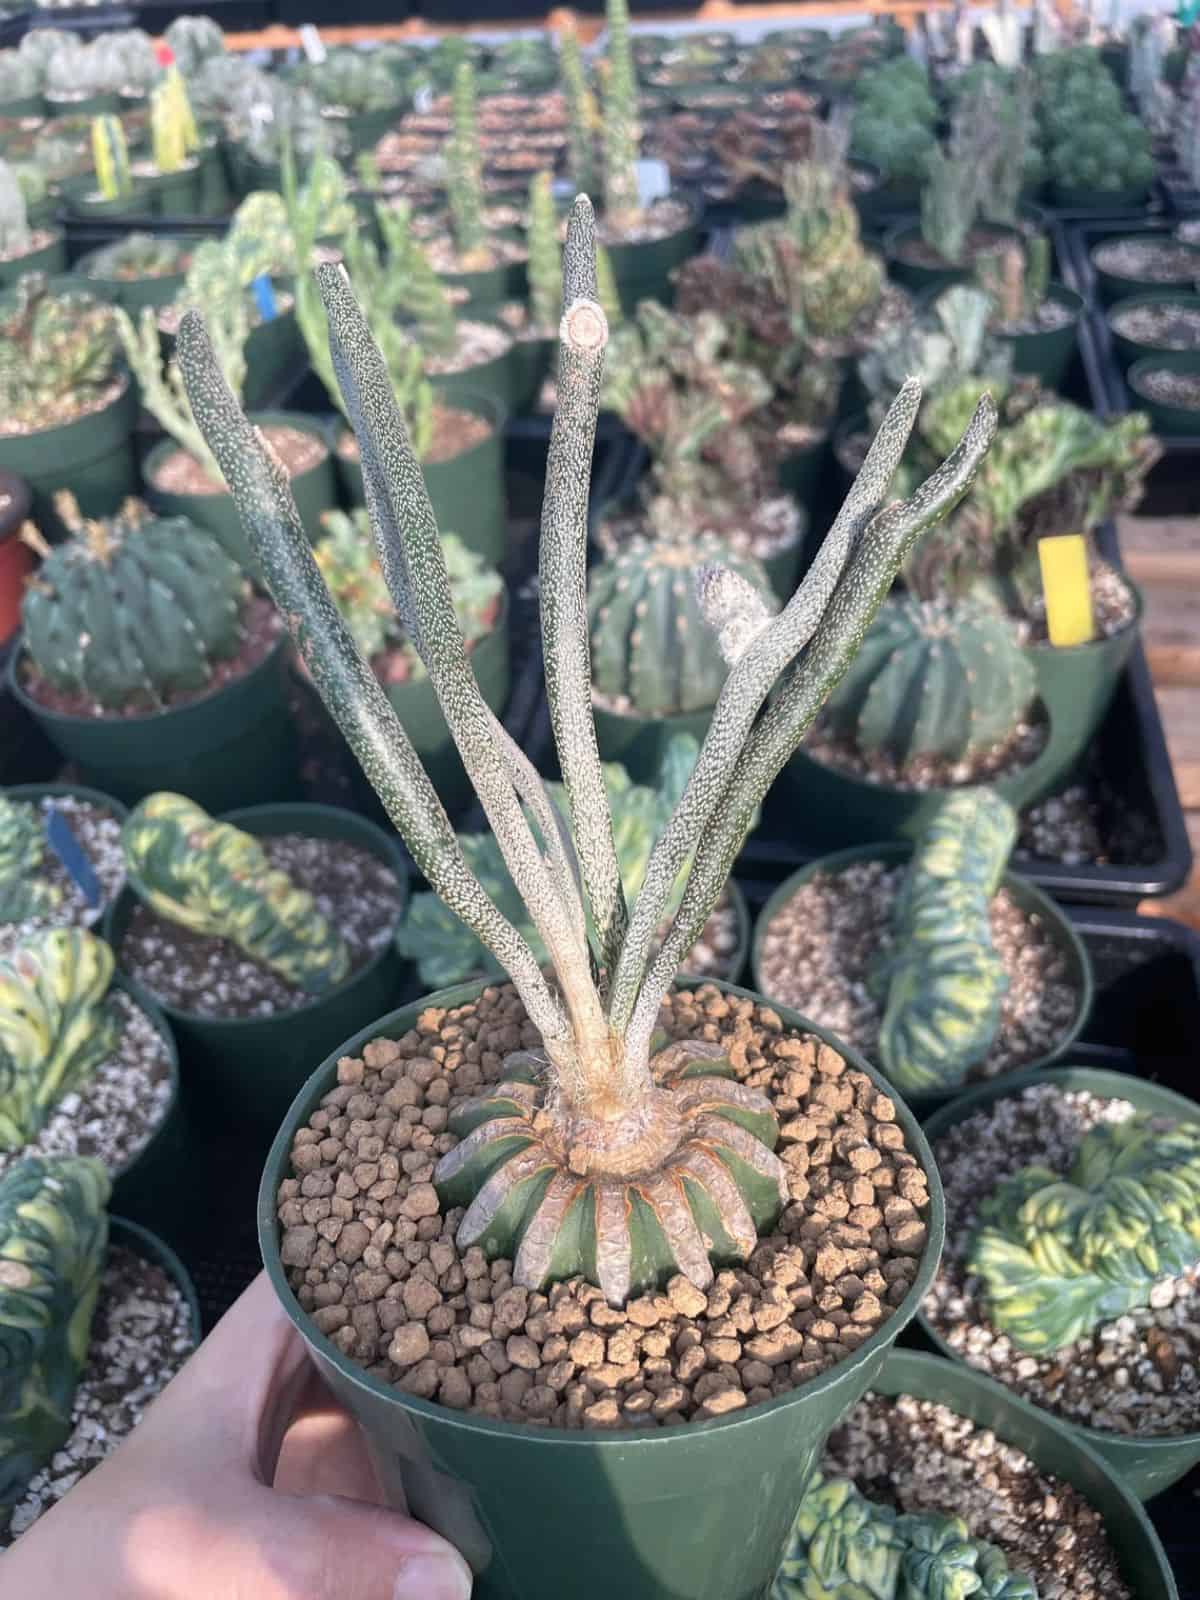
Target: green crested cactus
x=846, y=1547
x=58, y=355
x=583, y=114
x=53, y=1240
x=545, y=255
x=1016, y=274
x=110, y=156
x=619, y=124
x=132, y=609
x=653, y=654
x=55, y=1028
x=933, y=678
x=948, y=346
x=216, y=880
x=23, y=892
x=577, y=1161
x=1061, y=1255
x=941, y=981
x=464, y=175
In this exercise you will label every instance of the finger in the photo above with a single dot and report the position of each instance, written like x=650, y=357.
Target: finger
x=323, y=1453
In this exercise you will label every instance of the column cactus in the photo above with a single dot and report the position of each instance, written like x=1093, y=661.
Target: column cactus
x=545, y=254
x=173, y=132
x=464, y=174
x=217, y=880
x=583, y=115
x=1017, y=277
x=576, y=1161
x=14, y=215
x=621, y=133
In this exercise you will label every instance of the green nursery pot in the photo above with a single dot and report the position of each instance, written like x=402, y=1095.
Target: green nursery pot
x=1027, y=896
x=1146, y=1466
x=1130, y=350
x=531, y=360
x=1111, y=287
x=315, y=491
x=51, y=258
x=177, y=194
x=252, y=1067
x=132, y=293
x=1166, y=418
x=642, y=268
x=640, y=743
x=235, y=745
x=1054, y=1448
x=91, y=105
x=1048, y=354
x=496, y=379
x=27, y=105
x=142, y=1242
x=84, y=201
x=701, y=1510
x=915, y=275
x=91, y=456
x=490, y=287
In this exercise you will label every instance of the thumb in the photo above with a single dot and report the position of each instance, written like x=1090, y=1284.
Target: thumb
x=327, y=1548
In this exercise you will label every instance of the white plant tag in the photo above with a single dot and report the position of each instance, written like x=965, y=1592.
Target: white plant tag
x=653, y=181
x=312, y=44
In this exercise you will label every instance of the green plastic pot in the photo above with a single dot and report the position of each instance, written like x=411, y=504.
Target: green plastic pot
x=216, y=189
x=495, y=379
x=236, y=744
x=642, y=268
x=1052, y=1447
x=91, y=105
x=1027, y=896
x=467, y=491
x=1165, y=418
x=1111, y=287
x=1109, y=202
x=273, y=350
x=315, y=491
x=1129, y=350
x=531, y=360
x=922, y=279
x=701, y=1510
x=177, y=194
x=1146, y=1466
x=84, y=201
x=146, y=1189
x=1048, y=354
x=131, y=293
x=51, y=258
x=28, y=105
x=490, y=287
x=146, y=1244
x=92, y=456
x=640, y=743
x=248, y=1069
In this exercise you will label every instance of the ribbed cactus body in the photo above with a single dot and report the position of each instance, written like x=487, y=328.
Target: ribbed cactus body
x=545, y=254
x=53, y=1239
x=464, y=173
x=933, y=679
x=23, y=893
x=110, y=156
x=216, y=880
x=54, y=1026
x=942, y=981
x=652, y=651
x=133, y=610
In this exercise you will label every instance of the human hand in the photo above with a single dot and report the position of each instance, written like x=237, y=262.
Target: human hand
x=244, y=1481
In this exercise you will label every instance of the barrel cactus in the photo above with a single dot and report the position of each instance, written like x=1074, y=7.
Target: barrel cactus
x=216, y=880
x=577, y=1160
x=1059, y=1256
x=132, y=609
x=23, y=892
x=653, y=653
x=53, y=1238
x=941, y=981
x=933, y=678
x=55, y=1027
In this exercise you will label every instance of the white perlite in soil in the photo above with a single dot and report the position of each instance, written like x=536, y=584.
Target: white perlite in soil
x=818, y=947
x=99, y=836
x=1135, y=1375
x=118, y=1110
x=920, y=1456
x=141, y=1336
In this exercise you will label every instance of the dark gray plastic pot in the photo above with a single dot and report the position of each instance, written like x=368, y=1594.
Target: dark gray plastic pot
x=1112, y=287
x=496, y=379
x=144, y=1242
x=92, y=456
x=132, y=293
x=702, y=1510
x=50, y=259
x=642, y=268
x=250, y=1068
x=1166, y=418
x=1148, y=1464
x=1130, y=350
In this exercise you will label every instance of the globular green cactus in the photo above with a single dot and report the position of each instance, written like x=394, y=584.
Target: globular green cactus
x=53, y=1240
x=132, y=609
x=350, y=80
x=941, y=981
x=54, y=1026
x=464, y=175
x=545, y=255
x=846, y=1547
x=58, y=355
x=23, y=892
x=652, y=652
x=110, y=156
x=1059, y=1256
x=216, y=880
x=933, y=678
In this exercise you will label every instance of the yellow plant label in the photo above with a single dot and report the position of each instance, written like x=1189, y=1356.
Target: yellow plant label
x=1068, y=591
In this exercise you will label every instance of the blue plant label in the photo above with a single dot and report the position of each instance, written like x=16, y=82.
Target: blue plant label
x=62, y=840
x=264, y=295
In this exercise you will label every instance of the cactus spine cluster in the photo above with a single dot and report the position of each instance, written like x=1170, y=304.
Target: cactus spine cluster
x=55, y=1028
x=1061, y=1255
x=53, y=1239
x=621, y=133
x=110, y=156
x=464, y=175
x=845, y=1547
x=132, y=609
x=941, y=981
x=216, y=880
x=933, y=678
x=545, y=255
x=23, y=893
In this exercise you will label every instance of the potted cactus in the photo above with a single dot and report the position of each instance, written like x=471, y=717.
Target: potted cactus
x=1098, y=155
x=76, y=77
x=603, y=1215
x=71, y=1270
x=1037, y=317
x=24, y=248
x=67, y=403
x=201, y=707
x=932, y=959
x=1143, y=263
x=263, y=935
x=355, y=90
x=1164, y=321
x=1076, y=1195
x=534, y=323
x=20, y=86
x=892, y=128
x=1169, y=387
x=141, y=269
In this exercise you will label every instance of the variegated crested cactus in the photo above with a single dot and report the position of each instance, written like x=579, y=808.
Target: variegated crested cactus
x=601, y=1152
x=23, y=892
x=217, y=880
x=53, y=1237
x=1059, y=1256
x=55, y=1028
x=941, y=981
